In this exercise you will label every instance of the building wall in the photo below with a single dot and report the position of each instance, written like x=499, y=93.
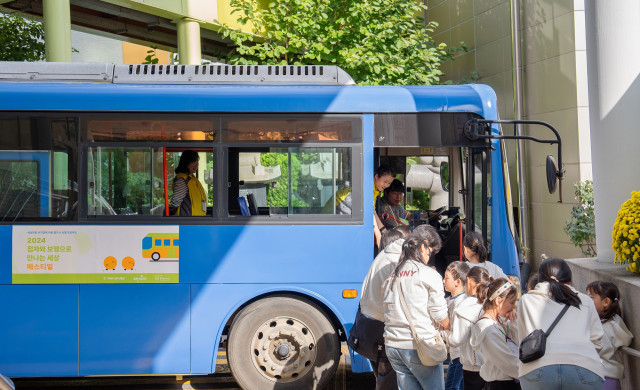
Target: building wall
x=554, y=89
x=614, y=90
x=95, y=48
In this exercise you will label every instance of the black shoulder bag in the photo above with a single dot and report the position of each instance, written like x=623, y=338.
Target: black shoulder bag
x=534, y=345
x=366, y=337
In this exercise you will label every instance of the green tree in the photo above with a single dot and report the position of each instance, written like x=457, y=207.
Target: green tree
x=581, y=228
x=20, y=39
x=278, y=195
x=375, y=41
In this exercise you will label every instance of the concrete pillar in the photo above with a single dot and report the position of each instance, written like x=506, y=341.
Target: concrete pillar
x=56, y=16
x=613, y=67
x=189, y=49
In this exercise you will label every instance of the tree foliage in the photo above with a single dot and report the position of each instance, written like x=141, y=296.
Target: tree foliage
x=278, y=193
x=376, y=41
x=20, y=39
x=581, y=228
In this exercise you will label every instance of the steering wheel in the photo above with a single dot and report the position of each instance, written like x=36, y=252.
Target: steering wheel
x=436, y=213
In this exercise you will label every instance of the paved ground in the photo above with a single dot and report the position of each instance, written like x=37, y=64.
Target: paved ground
x=222, y=379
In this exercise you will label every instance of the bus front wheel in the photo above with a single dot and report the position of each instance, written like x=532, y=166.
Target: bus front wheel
x=155, y=256
x=284, y=343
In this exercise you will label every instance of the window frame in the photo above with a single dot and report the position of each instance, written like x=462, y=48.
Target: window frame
x=78, y=164
x=480, y=157
x=135, y=219
x=44, y=120
x=357, y=181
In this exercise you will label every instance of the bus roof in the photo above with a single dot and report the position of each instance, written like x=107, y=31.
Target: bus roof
x=29, y=94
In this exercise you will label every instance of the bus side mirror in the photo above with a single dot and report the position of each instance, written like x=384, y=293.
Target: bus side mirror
x=552, y=174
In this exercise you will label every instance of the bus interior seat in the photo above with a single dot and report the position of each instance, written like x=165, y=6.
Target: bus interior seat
x=251, y=200
x=157, y=210
x=242, y=202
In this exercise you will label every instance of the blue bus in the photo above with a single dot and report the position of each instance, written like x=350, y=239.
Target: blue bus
x=277, y=287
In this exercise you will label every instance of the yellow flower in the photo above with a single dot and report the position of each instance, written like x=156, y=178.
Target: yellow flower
x=626, y=233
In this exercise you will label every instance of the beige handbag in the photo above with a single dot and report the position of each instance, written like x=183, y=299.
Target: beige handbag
x=431, y=351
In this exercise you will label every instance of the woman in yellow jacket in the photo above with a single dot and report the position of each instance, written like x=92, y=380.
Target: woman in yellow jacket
x=189, y=197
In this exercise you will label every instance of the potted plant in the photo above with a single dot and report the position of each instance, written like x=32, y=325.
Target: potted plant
x=626, y=234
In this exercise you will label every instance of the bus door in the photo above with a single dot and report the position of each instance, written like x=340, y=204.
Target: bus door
x=478, y=197
x=429, y=154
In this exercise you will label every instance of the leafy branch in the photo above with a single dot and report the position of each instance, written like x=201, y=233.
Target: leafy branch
x=581, y=228
x=375, y=41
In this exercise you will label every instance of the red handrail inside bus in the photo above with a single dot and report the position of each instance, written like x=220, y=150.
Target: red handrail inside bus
x=166, y=185
x=460, y=229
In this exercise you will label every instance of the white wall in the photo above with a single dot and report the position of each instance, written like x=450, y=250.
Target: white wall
x=94, y=48
x=614, y=94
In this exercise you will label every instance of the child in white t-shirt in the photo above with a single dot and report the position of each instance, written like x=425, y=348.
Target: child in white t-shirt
x=454, y=280
x=606, y=298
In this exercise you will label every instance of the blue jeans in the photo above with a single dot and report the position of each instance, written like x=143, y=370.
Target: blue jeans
x=454, y=375
x=412, y=375
x=561, y=376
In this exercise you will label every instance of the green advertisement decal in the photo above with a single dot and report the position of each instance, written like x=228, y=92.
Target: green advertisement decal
x=95, y=254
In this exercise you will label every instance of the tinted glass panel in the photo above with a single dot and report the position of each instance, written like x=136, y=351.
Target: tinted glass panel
x=125, y=181
x=290, y=128
x=205, y=174
x=37, y=168
x=156, y=128
x=295, y=180
x=20, y=194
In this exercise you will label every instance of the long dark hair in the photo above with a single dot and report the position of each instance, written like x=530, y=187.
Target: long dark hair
x=473, y=241
x=186, y=158
x=422, y=235
x=557, y=272
x=607, y=290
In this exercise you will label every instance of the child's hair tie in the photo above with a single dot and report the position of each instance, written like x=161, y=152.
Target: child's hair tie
x=554, y=278
x=616, y=299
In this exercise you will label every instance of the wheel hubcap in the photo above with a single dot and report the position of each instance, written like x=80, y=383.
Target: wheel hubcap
x=284, y=349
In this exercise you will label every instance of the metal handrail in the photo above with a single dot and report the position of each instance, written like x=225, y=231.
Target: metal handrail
x=631, y=351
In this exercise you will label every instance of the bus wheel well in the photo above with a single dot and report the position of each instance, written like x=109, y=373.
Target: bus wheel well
x=291, y=294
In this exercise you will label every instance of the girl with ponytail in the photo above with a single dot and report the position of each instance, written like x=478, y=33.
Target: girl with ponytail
x=423, y=294
x=571, y=360
x=464, y=316
x=476, y=254
x=495, y=338
x=606, y=298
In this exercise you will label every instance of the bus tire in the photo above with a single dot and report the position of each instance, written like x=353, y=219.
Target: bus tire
x=155, y=256
x=282, y=342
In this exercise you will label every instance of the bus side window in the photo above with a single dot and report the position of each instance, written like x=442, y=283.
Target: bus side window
x=37, y=168
x=291, y=181
x=205, y=174
x=125, y=181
